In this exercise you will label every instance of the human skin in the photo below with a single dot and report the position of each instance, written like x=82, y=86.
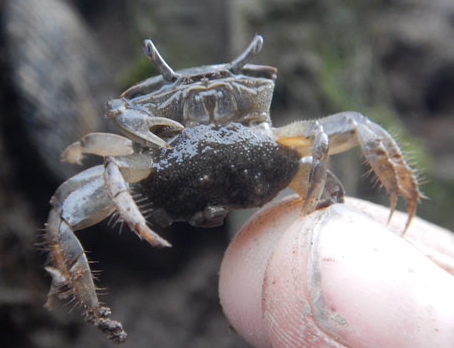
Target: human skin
x=340, y=277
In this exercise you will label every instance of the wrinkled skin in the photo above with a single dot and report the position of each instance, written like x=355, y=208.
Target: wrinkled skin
x=340, y=277
x=198, y=143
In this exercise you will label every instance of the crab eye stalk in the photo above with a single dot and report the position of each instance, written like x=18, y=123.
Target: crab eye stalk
x=164, y=69
x=254, y=47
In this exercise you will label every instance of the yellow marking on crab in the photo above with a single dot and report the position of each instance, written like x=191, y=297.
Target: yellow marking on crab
x=302, y=144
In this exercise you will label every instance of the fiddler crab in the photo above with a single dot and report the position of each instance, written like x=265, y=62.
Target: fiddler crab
x=198, y=143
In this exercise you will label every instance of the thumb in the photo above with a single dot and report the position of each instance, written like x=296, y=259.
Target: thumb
x=335, y=278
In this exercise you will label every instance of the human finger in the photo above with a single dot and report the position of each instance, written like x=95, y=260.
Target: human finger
x=335, y=278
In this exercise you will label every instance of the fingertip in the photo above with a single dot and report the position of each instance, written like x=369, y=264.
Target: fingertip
x=387, y=292
x=243, y=269
x=335, y=278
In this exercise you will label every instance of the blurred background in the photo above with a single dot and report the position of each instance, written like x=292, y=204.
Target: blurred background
x=61, y=60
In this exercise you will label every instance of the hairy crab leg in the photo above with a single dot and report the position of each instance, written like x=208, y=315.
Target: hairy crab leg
x=348, y=129
x=80, y=202
x=129, y=211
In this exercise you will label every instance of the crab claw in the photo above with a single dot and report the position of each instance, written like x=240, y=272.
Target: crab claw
x=139, y=125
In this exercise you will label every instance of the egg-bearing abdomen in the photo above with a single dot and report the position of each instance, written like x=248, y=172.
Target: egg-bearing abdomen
x=212, y=169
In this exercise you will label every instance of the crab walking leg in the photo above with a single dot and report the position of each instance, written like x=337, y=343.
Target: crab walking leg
x=318, y=171
x=314, y=182
x=80, y=202
x=99, y=144
x=118, y=190
x=333, y=192
x=348, y=129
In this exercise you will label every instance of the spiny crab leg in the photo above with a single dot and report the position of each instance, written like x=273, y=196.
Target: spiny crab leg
x=78, y=203
x=126, y=207
x=82, y=201
x=348, y=129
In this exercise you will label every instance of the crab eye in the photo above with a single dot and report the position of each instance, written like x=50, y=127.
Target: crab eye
x=152, y=53
x=254, y=47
